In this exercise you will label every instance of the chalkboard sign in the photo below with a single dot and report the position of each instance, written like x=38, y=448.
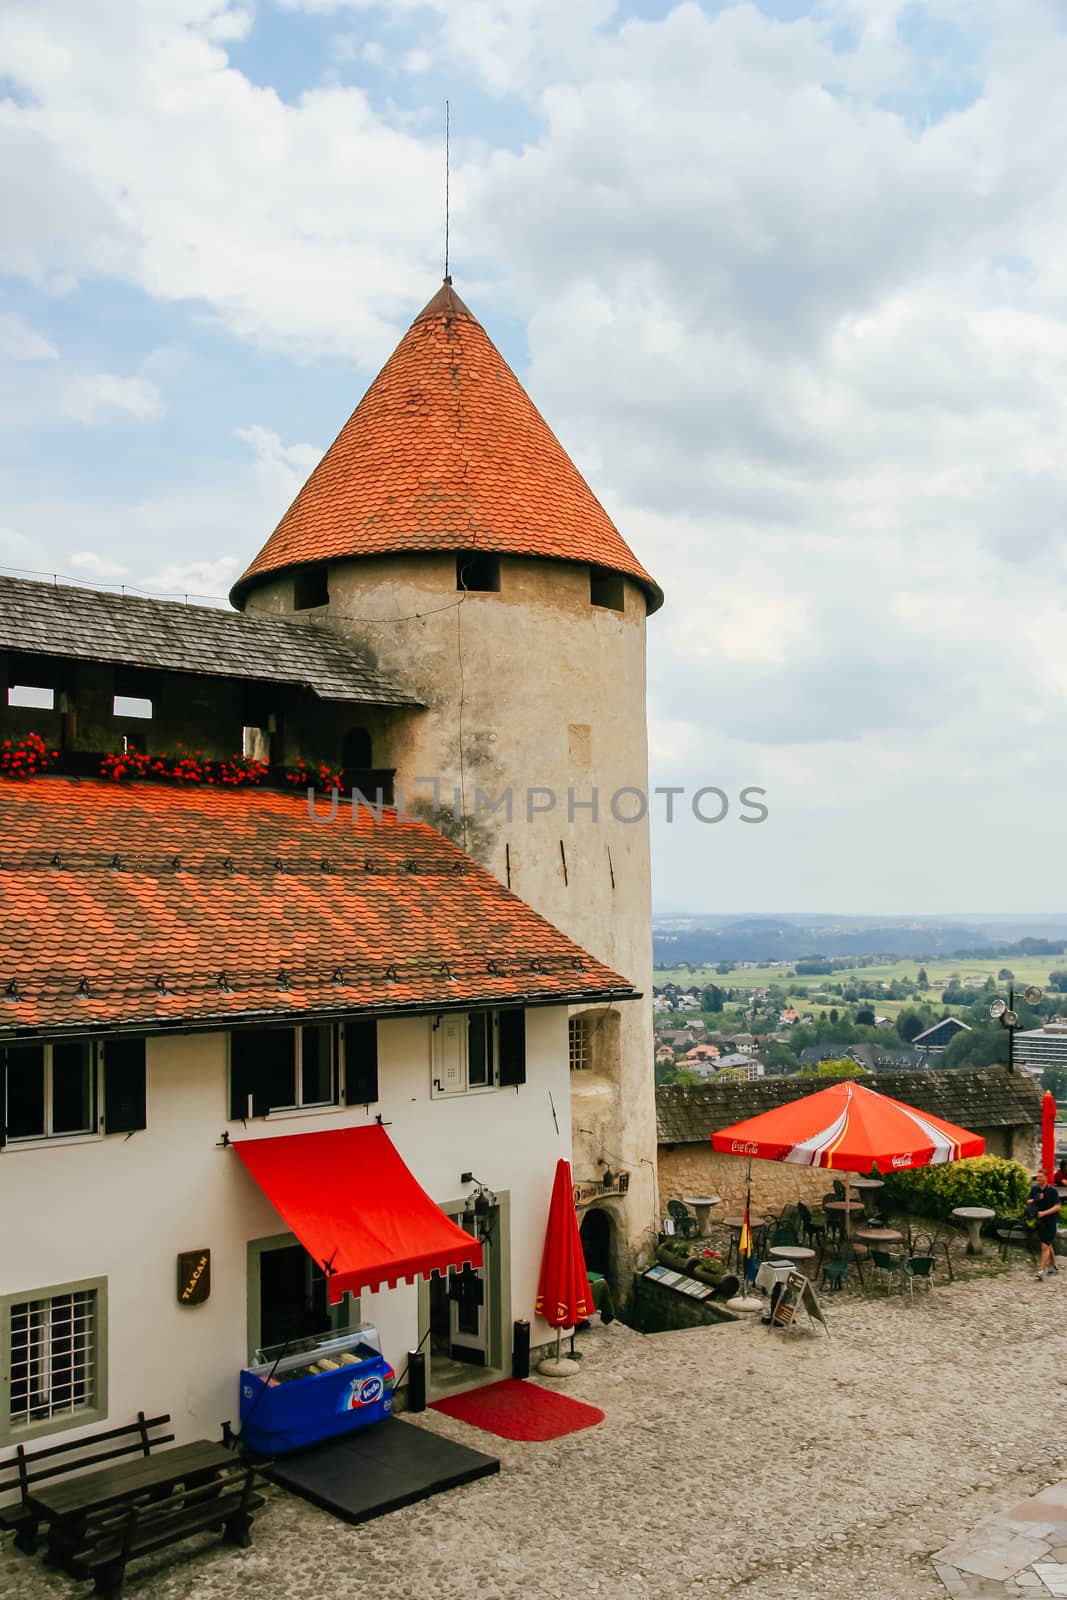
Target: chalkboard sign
x=797, y=1291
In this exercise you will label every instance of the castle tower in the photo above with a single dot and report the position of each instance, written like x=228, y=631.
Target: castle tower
x=447, y=532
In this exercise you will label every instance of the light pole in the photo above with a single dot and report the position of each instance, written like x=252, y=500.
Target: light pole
x=1008, y=1017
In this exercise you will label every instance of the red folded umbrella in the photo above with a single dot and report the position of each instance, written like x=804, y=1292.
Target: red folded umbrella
x=563, y=1294
x=1048, y=1134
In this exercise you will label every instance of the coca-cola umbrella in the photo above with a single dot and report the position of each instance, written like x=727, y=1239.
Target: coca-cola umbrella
x=849, y=1128
x=1048, y=1134
x=563, y=1293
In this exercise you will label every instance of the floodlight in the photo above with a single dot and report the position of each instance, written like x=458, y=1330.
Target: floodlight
x=1032, y=994
x=997, y=1009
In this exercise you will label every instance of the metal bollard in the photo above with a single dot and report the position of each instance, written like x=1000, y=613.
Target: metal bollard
x=416, y=1381
x=520, y=1350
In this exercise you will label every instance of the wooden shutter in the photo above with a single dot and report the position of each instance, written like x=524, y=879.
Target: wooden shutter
x=361, y=1061
x=125, y=1099
x=512, y=1041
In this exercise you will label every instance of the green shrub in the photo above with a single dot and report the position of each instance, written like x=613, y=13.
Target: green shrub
x=980, y=1181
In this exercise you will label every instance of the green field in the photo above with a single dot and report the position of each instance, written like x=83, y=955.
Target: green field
x=1027, y=969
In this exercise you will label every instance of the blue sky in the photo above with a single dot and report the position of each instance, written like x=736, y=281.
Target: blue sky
x=788, y=280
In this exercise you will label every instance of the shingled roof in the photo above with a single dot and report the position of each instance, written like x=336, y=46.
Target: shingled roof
x=446, y=451
x=90, y=625
x=972, y=1097
x=155, y=906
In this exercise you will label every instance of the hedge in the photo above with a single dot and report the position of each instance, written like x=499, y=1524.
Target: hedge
x=990, y=1181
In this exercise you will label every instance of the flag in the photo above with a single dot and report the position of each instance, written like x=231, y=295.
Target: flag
x=744, y=1243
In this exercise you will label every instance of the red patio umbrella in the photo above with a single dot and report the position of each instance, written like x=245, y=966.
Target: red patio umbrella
x=1048, y=1134
x=852, y=1129
x=563, y=1294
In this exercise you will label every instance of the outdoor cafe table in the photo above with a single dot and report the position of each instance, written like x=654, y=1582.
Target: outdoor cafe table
x=792, y=1252
x=867, y=1183
x=67, y=1505
x=877, y=1236
x=973, y=1216
x=702, y=1204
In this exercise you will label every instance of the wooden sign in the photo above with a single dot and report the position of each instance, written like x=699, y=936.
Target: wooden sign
x=194, y=1277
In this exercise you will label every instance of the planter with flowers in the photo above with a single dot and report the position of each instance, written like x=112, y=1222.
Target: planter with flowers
x=25, y=757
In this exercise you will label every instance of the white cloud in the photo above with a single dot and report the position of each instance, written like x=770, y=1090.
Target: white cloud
x=20, y=342
x=96, y=565
x=97, y=397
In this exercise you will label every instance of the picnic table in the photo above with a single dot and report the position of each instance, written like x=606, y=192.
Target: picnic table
x=66, y=1507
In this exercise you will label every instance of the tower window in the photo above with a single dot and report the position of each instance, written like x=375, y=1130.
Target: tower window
x=475, y=571
x=606, y=589
x=310, y=588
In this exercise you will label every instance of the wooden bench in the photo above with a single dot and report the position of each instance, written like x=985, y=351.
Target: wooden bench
x=30, y=1468
x=115, y=1535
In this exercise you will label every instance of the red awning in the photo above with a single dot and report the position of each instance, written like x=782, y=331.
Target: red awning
x=356, y=1208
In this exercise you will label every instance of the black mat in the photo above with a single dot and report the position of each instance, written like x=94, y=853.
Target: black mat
x=373, y=1470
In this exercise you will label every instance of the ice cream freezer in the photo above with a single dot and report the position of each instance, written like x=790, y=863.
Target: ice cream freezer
x=292, y=1396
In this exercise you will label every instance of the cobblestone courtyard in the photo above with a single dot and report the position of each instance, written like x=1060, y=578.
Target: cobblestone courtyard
x=731, y=1462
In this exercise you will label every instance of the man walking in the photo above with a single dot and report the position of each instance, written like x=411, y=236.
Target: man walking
x=1046, y=1203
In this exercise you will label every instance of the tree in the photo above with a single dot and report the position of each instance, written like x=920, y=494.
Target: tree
x=723, y=966
x=1058, y=980
x=922, y=981
x=1006, y=975
x=865, y=1017
x=834, y=1015
x=910, y=1024
x=982, y=1047
x=712, y=998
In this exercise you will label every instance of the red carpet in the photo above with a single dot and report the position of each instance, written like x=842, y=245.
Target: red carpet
x=516, y=1409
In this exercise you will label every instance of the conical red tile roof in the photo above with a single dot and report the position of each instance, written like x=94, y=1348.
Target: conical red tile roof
x=446, y=451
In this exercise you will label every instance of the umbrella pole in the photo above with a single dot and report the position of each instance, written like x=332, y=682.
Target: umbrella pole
x=848, y=1205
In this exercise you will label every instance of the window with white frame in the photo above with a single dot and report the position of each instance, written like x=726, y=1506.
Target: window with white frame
x=72, y=1086
x=282, y=1069
x=478, y=1050
x=578, y=1040
x=49, y=1089
x=54, y=1356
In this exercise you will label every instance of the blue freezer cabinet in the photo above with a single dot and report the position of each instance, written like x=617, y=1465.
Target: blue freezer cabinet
x=336, y=1382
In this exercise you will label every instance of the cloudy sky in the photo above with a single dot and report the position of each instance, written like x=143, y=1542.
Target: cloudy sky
x=789, y=281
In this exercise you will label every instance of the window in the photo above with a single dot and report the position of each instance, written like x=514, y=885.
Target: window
x=479, y=1050
x=282, y=1069
x=606, y=589
x=25, y=694
x=53, y=1344
x=311, y=588
x=578, y=1039
x=361, y=1061
x=478, y=572
x=130, y=705
x=51, y=1090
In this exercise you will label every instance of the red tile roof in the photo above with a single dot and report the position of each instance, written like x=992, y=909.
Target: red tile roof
x=446, y=451
x=151, y=904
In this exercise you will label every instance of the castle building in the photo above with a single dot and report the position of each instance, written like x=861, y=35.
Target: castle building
x=212, y=969
x=447, y=534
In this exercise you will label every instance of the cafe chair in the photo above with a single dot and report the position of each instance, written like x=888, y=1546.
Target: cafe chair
x=836, y=1269
x=918, y=1269
x=890, y=1269
x=812, y=1225
x=784, y=1233
x=684, y=1223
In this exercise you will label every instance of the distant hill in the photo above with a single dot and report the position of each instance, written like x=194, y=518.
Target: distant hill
x=709, y=940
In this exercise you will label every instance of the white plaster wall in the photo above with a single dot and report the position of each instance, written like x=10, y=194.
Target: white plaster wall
x=529, y=687
x=124, y=1208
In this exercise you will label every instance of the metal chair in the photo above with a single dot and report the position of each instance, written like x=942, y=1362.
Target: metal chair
x=918, y=1269
x=890, y=1267
x=684, y=1223
x=784, y=1233
x=835, y=1270
x=812, y=1225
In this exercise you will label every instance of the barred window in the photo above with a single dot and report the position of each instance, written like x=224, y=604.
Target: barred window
x=54, y=1357
x=578, y=1032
